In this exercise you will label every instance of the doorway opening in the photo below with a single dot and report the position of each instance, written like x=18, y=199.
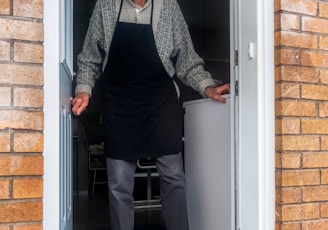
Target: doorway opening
x=209, y=26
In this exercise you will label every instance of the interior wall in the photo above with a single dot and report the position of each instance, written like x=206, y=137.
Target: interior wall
x=82, y=13
x=209, y=27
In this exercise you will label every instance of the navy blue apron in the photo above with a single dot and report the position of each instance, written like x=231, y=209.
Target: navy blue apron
x=142, y=113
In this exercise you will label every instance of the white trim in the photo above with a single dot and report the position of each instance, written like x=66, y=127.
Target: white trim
x=51, y=115
x=255, y=163
x=266, y=114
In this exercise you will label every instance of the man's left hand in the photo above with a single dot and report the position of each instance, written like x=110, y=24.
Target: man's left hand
x=215, y=93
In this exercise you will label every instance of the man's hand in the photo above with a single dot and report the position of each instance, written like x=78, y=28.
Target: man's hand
x=80, y=102
x=215, y=93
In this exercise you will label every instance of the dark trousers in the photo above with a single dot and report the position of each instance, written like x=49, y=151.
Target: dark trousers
x=172, y=190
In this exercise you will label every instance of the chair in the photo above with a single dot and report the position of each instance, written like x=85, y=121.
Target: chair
x=97, y=162
x=147, y=164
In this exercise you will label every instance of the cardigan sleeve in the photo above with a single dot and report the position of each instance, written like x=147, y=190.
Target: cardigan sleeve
x=89, y=61
x=189, y=65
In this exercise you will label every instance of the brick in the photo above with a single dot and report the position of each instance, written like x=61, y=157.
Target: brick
x=323, y=76
x=291, y=160
x=4, y=189
x=318, y=224
x=287, y=21
x=18, y=119
x=323, y=109
x=5, y=7
x=28, y=8
x=278, y=213
x=21, y=166
x=27, y=188
x=278, y=163
x=315, y=160
x=314, y=92
x=5, y=96
x=278, y=178
x=21, y=74
x=300, y=212
x=300, y=143
x=21, y=30
x=5, y=142
x=315, y=59
x=313, y=194
x=288, y=90
x=291, y=226
x=21, y=212
x=296, y=39
x=297, y=74
x=277, y=22
x=28, y=142
x=28, y=227
x=316, y=25
x=4, y=227
x=277, y=6
x=323, y=10
x=278, y=126
x=291, y=195
x=324, y=143
x=27, y=97
x=324, y=176
x=287, y=56
x=4, y=50
x=295, y=108
x=25, y=52
x=323, y=42
x=324, y=210
x=300, y=177
x=304, y=7
x=314, y=126
x=278, y=143
x=288, y=126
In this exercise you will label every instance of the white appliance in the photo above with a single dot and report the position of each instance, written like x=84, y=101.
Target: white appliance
x=209, y=164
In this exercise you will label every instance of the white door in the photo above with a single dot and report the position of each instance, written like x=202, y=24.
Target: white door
x=65, y=117
x=58, y=67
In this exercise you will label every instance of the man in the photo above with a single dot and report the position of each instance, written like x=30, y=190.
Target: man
x=138, y=46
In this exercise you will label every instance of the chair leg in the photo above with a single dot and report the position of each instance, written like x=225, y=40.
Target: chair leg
x=94, y=181
x=149, y=195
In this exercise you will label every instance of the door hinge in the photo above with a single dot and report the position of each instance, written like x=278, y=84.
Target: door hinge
x=236, y=57
x=237, y=88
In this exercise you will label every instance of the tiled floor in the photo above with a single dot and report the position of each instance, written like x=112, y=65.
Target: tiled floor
x=91, y=212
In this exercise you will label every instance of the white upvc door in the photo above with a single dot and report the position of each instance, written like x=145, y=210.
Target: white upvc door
x=58, y=66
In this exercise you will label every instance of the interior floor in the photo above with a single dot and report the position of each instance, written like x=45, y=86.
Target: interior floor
x=91, y=211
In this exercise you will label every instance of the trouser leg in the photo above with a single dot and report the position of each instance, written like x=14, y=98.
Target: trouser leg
x=173, y=191
x=121, y=183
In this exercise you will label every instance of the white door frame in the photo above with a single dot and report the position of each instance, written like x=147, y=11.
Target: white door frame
x=261, y=147
x=255, y=121
x=51, y=201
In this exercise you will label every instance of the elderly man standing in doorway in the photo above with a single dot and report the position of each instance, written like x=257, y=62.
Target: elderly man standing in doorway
x=138, y=46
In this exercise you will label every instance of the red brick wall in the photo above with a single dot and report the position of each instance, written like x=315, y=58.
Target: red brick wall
x=301, y=59
x=21, y=114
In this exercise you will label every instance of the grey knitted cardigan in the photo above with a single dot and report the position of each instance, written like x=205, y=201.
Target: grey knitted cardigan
x=172, y=40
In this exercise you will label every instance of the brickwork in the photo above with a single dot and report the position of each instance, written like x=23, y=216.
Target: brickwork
x=301, y=71
x=21, y=114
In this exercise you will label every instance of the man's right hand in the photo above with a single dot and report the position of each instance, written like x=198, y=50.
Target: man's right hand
x=79, y=103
